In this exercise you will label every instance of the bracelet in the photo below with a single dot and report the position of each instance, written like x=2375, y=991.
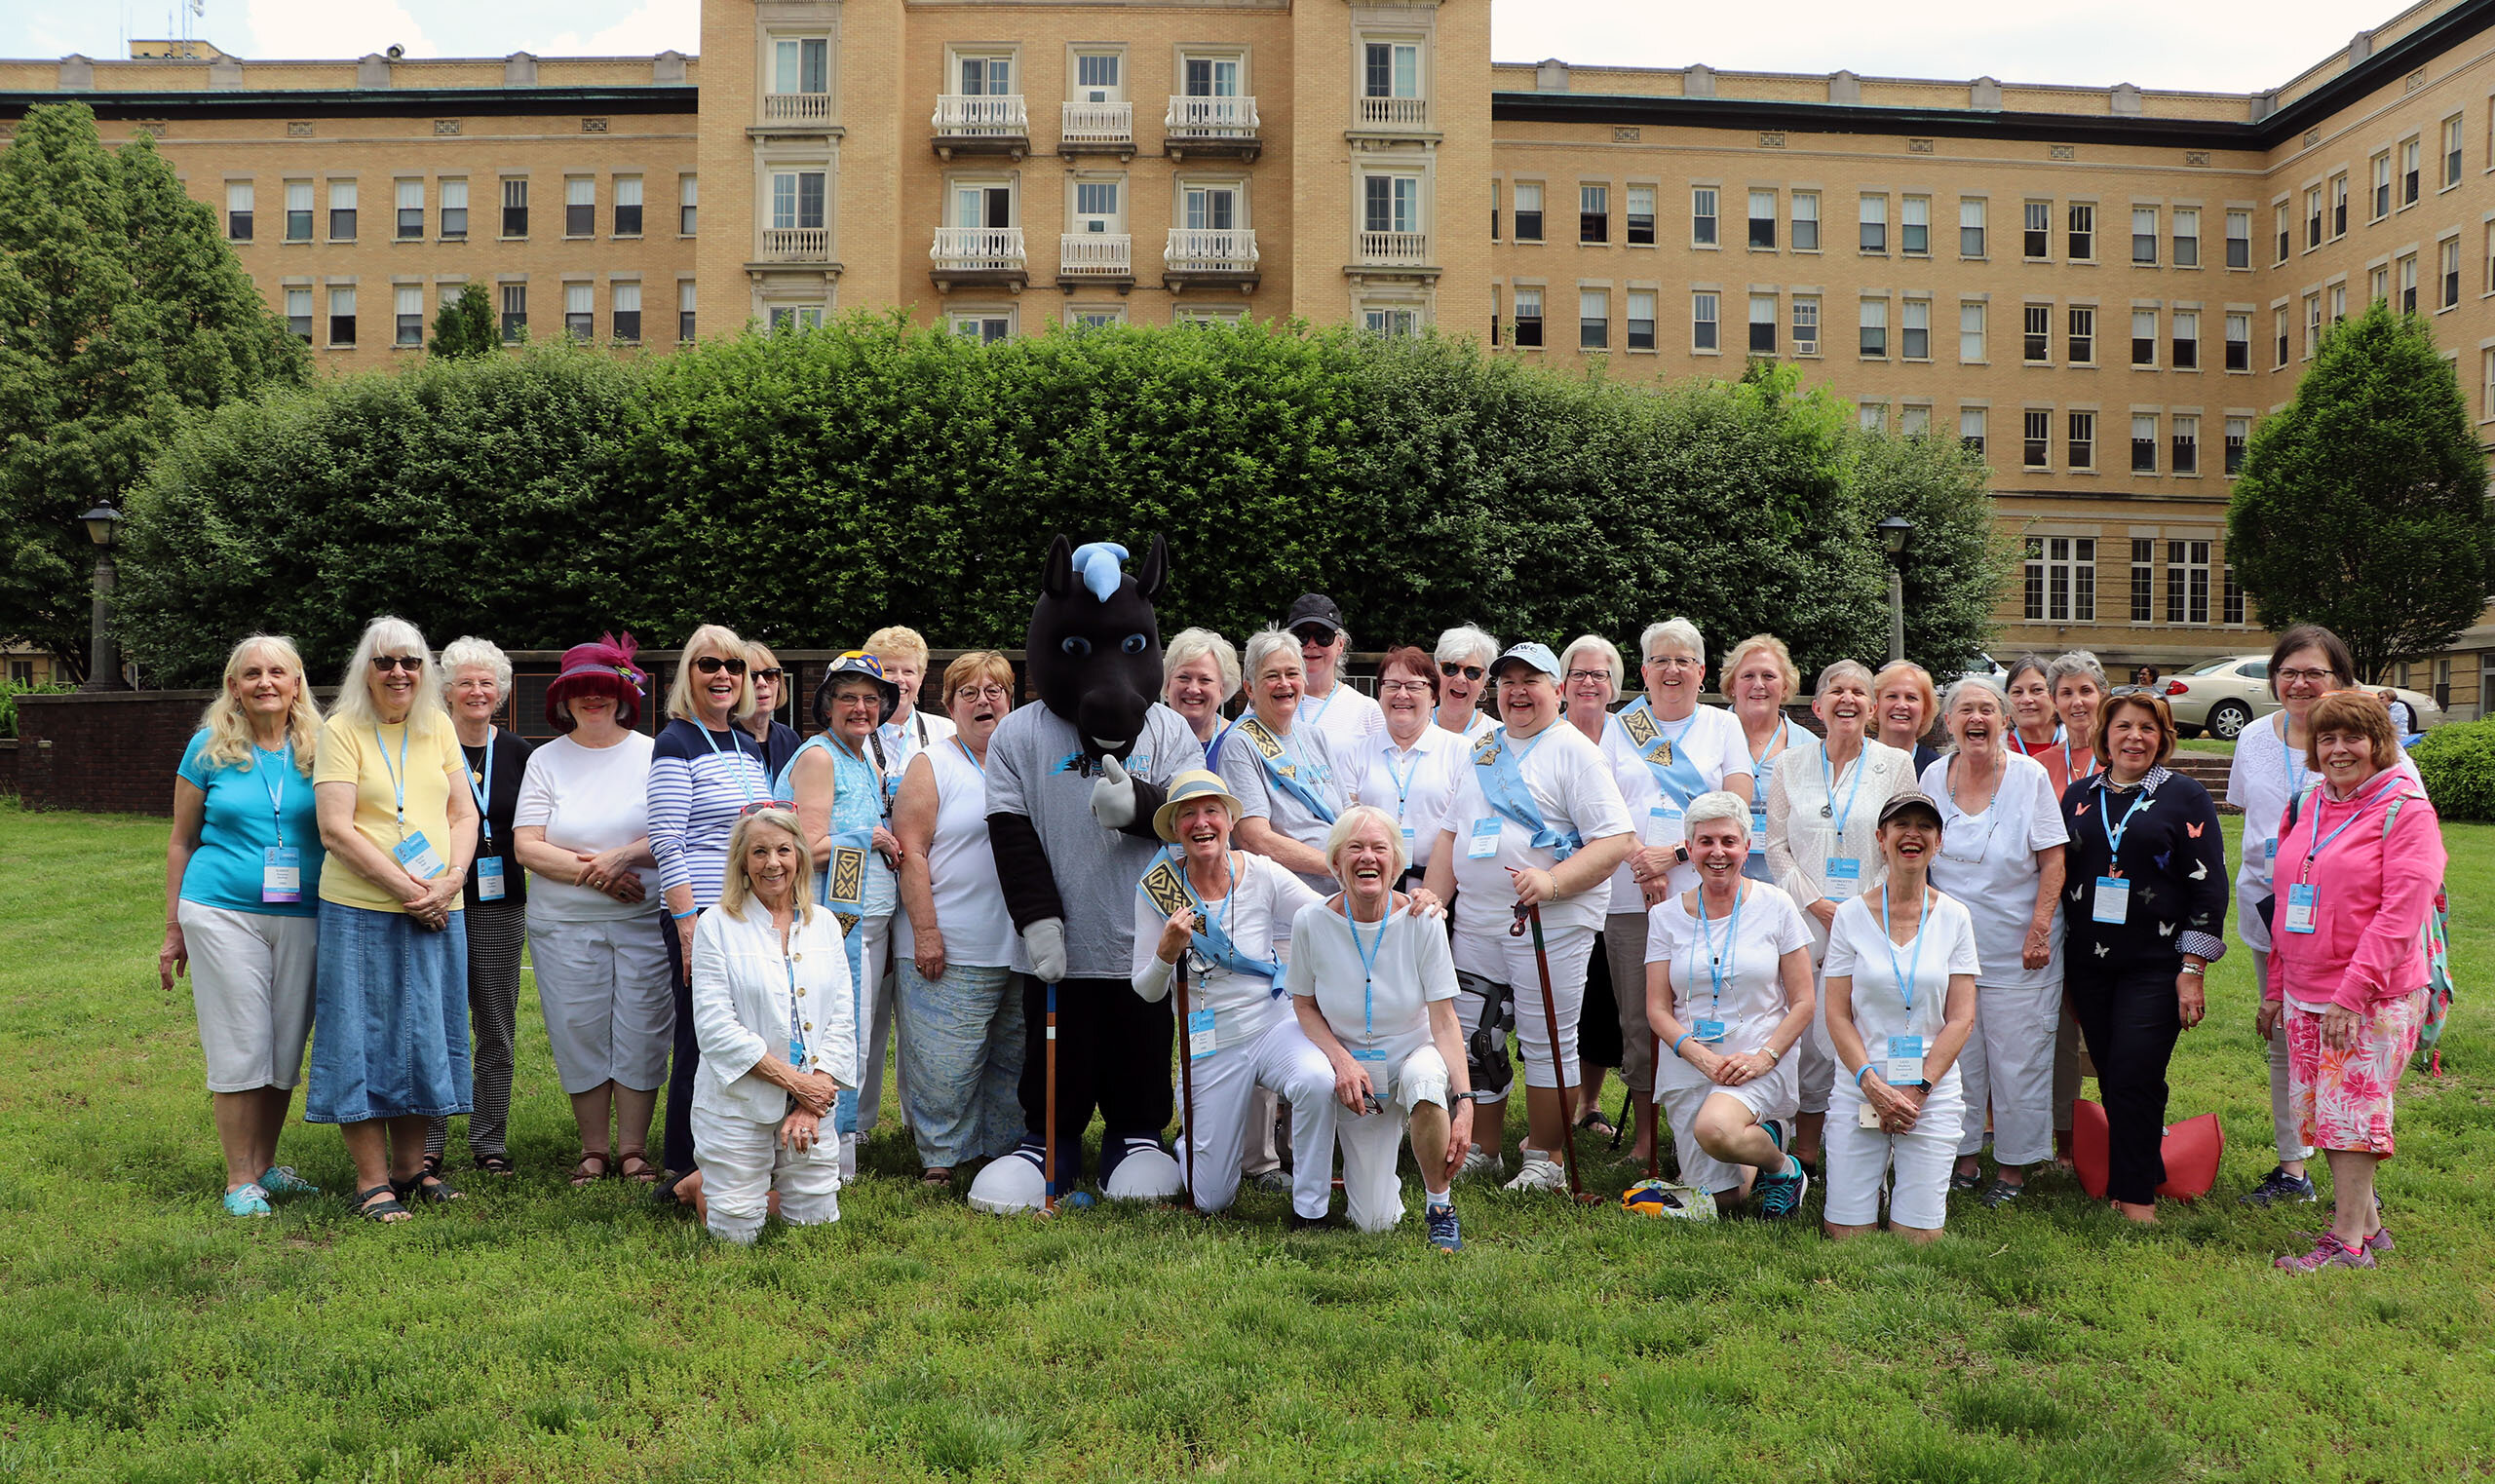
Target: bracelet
x=2195, y=973
x=1858, y=1076
x=1773, y=1056
x=1466, y=1097
x=1684, y=1036
x=681, y=916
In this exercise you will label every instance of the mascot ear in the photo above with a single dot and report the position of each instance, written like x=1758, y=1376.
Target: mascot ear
x=1156, y=570
x=1057, y=575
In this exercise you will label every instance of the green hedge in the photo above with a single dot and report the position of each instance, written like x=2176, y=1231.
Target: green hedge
x=808, y=488
x=2458, y=763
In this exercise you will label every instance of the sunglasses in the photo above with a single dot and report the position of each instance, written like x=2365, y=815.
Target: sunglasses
x=772, y=674
x=411, y=664
x=759, y=805
x=712, y=664
x=1451, y=669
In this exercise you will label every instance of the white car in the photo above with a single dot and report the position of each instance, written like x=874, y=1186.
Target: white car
x=2225, y=696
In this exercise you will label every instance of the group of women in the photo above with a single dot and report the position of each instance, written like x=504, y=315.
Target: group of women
x=1822, y=952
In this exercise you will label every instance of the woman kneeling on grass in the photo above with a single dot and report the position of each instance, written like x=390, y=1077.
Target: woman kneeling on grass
x=1373, y=983
x=1901, y=1002
x=2359, y=864
x=771, y=1010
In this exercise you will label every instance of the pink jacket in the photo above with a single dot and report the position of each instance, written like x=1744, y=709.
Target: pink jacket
x=2374, y=892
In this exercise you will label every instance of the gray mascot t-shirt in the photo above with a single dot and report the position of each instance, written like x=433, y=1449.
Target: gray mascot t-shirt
x=1035, y=768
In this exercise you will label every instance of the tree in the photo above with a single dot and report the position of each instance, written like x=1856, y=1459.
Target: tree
x=464, y=327
x=2363, y=505
x=121, y=314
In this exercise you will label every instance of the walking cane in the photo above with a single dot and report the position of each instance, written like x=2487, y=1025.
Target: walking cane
x=1532, y=913
x=1048, y=1196
x=1186, y=1085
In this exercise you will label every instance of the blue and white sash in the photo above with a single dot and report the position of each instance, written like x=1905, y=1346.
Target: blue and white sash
x=1291, y=777
x=1675, y=772
x=1500, y=765
x=1169, y=889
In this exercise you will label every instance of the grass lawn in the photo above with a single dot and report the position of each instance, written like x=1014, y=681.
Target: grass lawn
x=534, y=1332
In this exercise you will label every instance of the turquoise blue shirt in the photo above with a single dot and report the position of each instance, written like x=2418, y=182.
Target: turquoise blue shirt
x=856, y=802
x=250, y=810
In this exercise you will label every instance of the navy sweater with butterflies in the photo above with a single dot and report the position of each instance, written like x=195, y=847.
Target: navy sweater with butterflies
x=2174, y=858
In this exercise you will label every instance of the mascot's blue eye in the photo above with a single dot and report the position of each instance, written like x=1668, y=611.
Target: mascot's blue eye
x=1077, y=645
x=1134, y=644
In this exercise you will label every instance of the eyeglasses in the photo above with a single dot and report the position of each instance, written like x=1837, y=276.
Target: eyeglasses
x=411, y=664
x=1404, y=687
x=759, y=805
x=1576, y=675
x=1451, y=670
x=1313, y=637
x=712, y=664
x=988, y=692
x=1670, y=662
x=2306, y=676
x=772, y=674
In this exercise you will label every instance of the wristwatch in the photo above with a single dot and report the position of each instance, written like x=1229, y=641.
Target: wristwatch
x=1464, y=1097
x=1680, y=853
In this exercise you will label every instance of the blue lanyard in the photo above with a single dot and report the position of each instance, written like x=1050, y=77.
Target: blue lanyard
x=2068, y=776
x=974, y=762
x=1318, y=714
x=796, y=1030
x=277, y=790
x=398, y=776
x=1403, y=781
x=1220, y=919
x=1369, y=952
x=1827, y=772
x=1720, y=968
x=486, y=792
x=1913, y=968
x=736, y=748
x=2114, y=832
x=1774, y=745
x=2363, y=802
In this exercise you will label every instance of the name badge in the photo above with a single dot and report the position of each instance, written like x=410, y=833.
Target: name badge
x=2270, y=850
x=416, y=854
x=1758, y=829
x=1905, y=1062
x=1708, y=1032
x=281, y=874
x=1845, y=878
x=2113, y=899
x=1409, y=847
x=1664, y=811
x=1485, y=843
x=1198, y=1035
x=490, y=878
x=2302, y=903
x=1376, y=1055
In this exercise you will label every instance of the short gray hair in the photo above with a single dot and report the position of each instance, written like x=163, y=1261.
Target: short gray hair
x=1268, y=642
x=1975, y=681
x=1707, y=807
x=2043, y=667
x=1609, y=651
x=1681, y=631
x=1199, y=644
x=1841, y=668
x=468, y=650
x=1353, y=819
x=1464, y=641
x=2077, y=664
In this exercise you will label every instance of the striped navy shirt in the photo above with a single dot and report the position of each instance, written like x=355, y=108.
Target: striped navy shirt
x=697, y=789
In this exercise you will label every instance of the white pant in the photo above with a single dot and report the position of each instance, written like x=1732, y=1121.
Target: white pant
x=603, y=988
x=2287, y=1130
x=2008, y=1060
x=1413, y=1074
x=1682, y=1093
x=1285, y=1062
x=251, y=983
x=1510, y=961
x=875, y=999
x=742, y=1161
x=1916, y=1166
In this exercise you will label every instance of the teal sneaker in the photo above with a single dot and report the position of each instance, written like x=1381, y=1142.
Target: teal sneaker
x=282, y=1180
x=1781, y=1196
x=246, y=1200
x=1444, y=1234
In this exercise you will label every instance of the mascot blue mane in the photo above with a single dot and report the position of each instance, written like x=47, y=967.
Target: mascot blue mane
x=1094, y=644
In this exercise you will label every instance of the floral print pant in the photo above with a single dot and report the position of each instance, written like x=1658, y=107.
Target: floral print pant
x=2341, y=1100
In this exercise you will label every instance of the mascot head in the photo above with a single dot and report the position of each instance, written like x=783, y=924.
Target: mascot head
x=1094, y=646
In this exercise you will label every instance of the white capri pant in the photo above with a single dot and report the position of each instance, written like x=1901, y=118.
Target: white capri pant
x=251, y=977
x=1510, y=961
x=1915, y=1166
x=2287, y=1130
x=1413, y=1074
x=875, y=1005
x=2009, y=1061
x=602, y=987
x=1282, y=1061
x=742, y=1162
x=1682, y=1093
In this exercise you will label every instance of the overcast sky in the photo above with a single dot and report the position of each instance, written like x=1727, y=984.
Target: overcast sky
x=2227, y=45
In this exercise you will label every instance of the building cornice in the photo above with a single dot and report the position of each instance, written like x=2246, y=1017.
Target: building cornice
x=367, y=103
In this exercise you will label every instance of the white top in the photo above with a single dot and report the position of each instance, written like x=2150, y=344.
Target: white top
x=1256, y=914
x=1572, y=789
x=587, y=799
x=961, y=867
x=1374, y=1007
x=1317, y=756
x=1711, y=742
x=741, y=1007
x=2265, y=775
x=1479, y=722
x=1748, y=947
x=1345, y=713
x=1859, y=948
x=1801, y=841
x=1987, y=862
x=903, y=740
x=1411, y=784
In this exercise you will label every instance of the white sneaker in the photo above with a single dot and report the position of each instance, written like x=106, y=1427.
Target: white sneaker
x=1540, y=1174
x=1477, y=1161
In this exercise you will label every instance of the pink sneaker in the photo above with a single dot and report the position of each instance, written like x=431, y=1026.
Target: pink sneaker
x=2378, y=1243
x=2328, y=1251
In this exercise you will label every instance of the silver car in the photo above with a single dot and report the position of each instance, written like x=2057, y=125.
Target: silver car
x=2225, y=696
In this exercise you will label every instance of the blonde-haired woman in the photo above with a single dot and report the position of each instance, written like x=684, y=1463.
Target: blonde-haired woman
x=1759, y=679
x=241, y=889
x=1198, y=674
x=400, y=827
x=908, y=731
x=771, y=1009
x=704, y=769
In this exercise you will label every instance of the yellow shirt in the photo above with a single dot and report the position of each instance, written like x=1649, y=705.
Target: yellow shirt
x=367, y=757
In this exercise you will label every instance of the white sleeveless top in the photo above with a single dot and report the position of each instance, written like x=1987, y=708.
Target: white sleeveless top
x=961, y=869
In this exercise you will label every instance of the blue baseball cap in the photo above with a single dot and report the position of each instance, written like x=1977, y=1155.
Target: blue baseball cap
x=1530, y=652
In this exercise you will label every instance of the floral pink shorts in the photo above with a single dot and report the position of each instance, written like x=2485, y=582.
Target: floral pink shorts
x=2342, y=1099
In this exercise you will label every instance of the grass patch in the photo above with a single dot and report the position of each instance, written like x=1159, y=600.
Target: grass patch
x=534, y=1332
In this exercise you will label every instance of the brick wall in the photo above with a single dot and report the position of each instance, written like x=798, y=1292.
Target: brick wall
x=9, y=766
x=105, y=754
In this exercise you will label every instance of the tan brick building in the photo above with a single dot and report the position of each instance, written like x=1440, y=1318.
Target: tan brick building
x=2106, y=286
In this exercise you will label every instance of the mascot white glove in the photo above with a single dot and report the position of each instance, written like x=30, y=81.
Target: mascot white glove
x=1113, y=795
x=1045, y=941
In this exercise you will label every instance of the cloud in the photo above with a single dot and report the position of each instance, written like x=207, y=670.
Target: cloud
x=327, y=28
x=658, y=26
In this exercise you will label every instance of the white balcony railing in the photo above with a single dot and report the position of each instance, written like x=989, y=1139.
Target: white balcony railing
x=1096, y=256
x=1394, y=247
x=1396, y=112
x=1096, y=123
x=1212, y=117
x=993, y=115
x=971, y=249
x=795, y=244
x=1197, y=249
x=796, y=107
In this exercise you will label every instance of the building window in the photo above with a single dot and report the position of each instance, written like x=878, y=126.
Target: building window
x=2338, y=205
x=1971, y=429
x=1394, y=324
x=342, y=315
x=1593, y=319
x=1806, y=324
x=1390, y=70
x=2378, y=285
x=1701, y=216
x=2285, y=232
x=1914, y=226
x=299, y=210
x=2381, y=202
x=2144, y=236
x=2037, y=335
x=684, y=310
x=1530, y=317
x=2083, y=232
x=1970, y=332
x=984, y=328
x=1873, y=416
x=1641, y=217
x=1702, y=321
x=342, y=211
x=1874, y=221
x=2144, y=581
x=2313, y=218
x=1528, y=212
x=2037, y=432
x=1914, y=328
x=2451, y=151
x=1391, y=204
x=299, y=314
x=2187, y=340
x=2143, y=443
x=688, y=204
x=2082, y=448
x=580, y=206
x=2239, y=437
x=1762, y=324
x=2187, y=237
x=454, y=211
x=2187, y=582
x=797, y=199
x=2062, y=579
x=2449, y=265
x=2409, y=183
x=515, y=313
x=1641, y=319
x=1083, y=316
x=1914, y=420
x=2185, y=443
x=1971, y=226
x=2036, y=238
x=2081, y=348
x=1594, y=213
x=411, y=209
x=1806, y=221
x=516, y=207
x=2312, y=324
x=2408, y=284
x=2239, y=238
x=802, y=65
x=238, y=210
x=2144, y=337
x=2239, y=342
x=2233, y=612
x=2278, y=322
x=2487, y=404
x=1874, y=344
x=580, y=311
x=1494, y=237
x=628, y=205
x=408, y=315
x=1763, y=219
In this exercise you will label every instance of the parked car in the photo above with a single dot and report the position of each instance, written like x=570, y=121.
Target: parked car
x=2225, y=696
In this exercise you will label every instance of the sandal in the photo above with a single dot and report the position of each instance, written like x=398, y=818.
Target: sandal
x=1599, y=1127
x=386, y=1210
x=496, y=1164
x=1963, y=1180
x=583, y=1176
x=637, y=1167
x=937, y=1179
x=425, y=1185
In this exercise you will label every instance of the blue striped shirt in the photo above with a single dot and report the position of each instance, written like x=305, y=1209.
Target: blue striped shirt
x=697, y=789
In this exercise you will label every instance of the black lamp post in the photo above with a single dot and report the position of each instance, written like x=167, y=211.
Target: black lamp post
x=104, y=670
x=1895, y=533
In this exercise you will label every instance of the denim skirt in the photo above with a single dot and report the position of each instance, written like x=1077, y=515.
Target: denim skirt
x=389, y=1018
